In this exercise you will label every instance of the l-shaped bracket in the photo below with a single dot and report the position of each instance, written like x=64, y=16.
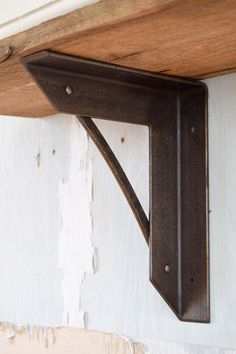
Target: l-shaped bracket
x=175, y=110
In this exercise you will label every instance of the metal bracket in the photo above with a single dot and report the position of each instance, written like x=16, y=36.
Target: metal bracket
x=175, y=110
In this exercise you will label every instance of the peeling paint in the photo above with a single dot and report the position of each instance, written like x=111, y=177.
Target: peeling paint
x=44, y=335
x=76, y=252
x=132, y=346
x=39, y=340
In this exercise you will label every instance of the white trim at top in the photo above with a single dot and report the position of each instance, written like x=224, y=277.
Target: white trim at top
x=41, y=14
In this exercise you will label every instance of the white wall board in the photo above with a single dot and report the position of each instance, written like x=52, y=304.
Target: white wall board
x=53, y=238
x=45, y=222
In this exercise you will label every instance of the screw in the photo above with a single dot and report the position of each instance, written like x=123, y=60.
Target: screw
x=192, y=130
x=5, y=52
x=167, y=268
x=68, y=90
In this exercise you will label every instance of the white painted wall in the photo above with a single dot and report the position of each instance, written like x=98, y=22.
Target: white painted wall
x=71, y=252
x=44, y=233
x=48, y=229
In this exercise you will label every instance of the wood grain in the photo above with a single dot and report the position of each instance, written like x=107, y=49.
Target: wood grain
x=184, y=38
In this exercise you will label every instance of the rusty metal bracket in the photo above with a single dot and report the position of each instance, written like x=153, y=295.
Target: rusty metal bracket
x=175, y=110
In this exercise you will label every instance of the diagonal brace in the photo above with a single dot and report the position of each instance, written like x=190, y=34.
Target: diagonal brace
x=118, y=173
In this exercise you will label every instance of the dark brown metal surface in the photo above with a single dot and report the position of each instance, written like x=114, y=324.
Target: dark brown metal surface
x=179, y=212
x=176, y=112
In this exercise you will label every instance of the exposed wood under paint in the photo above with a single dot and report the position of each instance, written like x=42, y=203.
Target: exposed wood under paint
x=185, y=38
x=38, y=340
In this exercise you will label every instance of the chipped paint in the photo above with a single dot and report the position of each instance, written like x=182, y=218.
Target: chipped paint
x=76, y=253
x=39, y=340
x=45, y=336
x=28, y=339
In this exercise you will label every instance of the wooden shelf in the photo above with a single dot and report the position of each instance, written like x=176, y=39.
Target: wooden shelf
x=189, y=38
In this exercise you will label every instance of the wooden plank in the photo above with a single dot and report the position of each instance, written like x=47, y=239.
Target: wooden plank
x=185, y=38
x=33, y=339
x=69, y=340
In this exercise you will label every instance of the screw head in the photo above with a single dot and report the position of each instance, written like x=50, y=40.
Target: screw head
x=167, y=268
x=5, y=52
x=192, y=129
x=68, y=90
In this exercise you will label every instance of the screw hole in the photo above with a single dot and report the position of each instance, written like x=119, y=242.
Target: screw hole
x=192, y=280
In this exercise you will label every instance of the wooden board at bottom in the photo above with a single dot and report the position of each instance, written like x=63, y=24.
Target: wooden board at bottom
x=69, y=340
x=63, y=340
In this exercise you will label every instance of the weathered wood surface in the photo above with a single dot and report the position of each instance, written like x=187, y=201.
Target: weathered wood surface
x=20, y=339
x=185, y=38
